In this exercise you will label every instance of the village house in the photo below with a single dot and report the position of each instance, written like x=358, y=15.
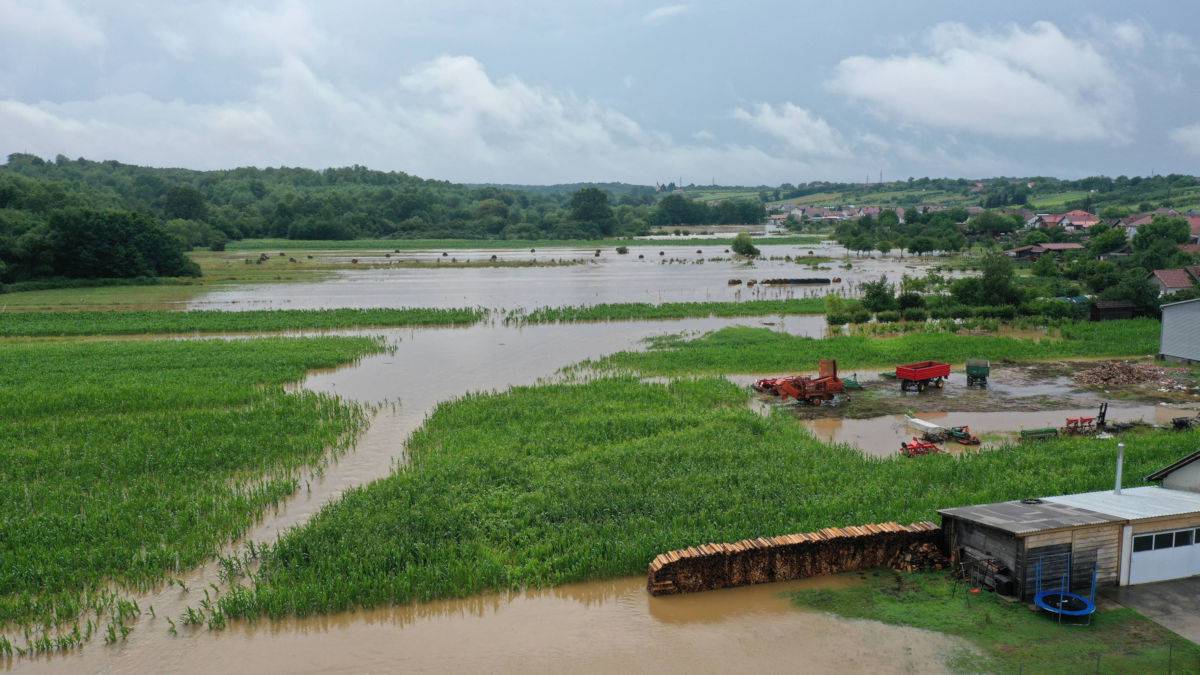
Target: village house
x=1033, y=252
x=1125, y=536
x=1172, y=281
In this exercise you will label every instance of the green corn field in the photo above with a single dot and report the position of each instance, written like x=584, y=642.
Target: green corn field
x=559, y=483
x=127, y=461
x=30, y=324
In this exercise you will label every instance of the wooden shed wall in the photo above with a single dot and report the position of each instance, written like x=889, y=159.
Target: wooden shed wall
x=1099, y=545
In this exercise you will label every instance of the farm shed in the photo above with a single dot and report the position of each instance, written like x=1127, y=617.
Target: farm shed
x=1111, y=310
x=1181, y=331
x=1130, y=536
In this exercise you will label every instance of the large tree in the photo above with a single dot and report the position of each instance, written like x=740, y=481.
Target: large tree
x=590, y=208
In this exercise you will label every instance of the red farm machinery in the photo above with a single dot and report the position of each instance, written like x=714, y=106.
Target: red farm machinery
x=805, y=389
x=922, y=375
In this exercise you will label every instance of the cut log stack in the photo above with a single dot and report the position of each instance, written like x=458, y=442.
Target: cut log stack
x=796, y=556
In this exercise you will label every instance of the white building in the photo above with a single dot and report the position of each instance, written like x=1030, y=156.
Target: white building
x=1181, y=331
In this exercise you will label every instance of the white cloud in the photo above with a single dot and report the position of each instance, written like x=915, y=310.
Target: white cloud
x=661, y=14
x=804, y=133
x=1188, y=137
x=446, y=118
x=49, y=21
x=1128, y=34
x=1035, y=84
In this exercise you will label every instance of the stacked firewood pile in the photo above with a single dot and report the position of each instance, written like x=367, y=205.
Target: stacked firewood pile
x=793, y=556
x=922, y=557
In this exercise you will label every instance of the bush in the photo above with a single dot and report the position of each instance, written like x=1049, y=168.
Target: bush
x=837, y=319
x=890, y=316
x=995, y=311
x=622, y=250
x=909, y=300
x=860, y=315
x=878, y=296
x=743, y=245
x=915, y=314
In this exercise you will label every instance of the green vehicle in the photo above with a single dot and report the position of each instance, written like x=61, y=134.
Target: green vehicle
x=977, y=372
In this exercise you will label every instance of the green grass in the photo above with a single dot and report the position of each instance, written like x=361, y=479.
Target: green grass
x=641, y=311
x=501, y=244
x=1055, y=201
x=212, y=321
x=757, y=350
x=1012, y=638
x=129, y=461
x=560, y=483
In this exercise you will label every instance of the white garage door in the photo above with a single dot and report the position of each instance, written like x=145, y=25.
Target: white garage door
x=1159, y=556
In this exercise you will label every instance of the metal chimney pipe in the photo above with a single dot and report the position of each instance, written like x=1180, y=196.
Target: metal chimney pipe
x=1120, y=466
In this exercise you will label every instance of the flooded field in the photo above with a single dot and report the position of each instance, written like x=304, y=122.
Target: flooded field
x=691, y=273
x=599, y=627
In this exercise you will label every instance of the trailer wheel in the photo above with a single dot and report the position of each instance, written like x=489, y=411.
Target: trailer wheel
x=938, y=383
x=815, y=401
x=922, y=385
x=903, y=385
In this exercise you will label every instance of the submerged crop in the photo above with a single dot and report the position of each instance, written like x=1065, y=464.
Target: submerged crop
x=128, y=461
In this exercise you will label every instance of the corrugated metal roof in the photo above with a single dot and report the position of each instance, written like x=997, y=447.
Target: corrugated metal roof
x=1135, y=503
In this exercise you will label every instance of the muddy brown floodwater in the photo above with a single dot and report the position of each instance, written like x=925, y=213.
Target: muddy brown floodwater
x=601, y=626
x=680, y=275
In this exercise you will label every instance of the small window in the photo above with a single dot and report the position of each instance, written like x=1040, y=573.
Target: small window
x=1163, y=540
x=1143, y=543
x=1183, y=538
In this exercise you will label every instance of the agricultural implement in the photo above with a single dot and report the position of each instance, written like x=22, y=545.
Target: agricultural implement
x=811, y=390
x=917, y=447
x=978, y=371
x=1082, y=426
x=922, y=375
x=1185, y=423
x=934, y=433
x=962, y=435
x=1041, y=434
x=852, y=382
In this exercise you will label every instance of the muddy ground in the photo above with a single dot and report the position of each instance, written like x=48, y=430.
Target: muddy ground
x=1018, y=396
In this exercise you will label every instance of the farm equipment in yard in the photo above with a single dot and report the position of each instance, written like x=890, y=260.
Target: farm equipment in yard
x=1185, y=423
x=1039, y=434
x=978, y=371
x=922, y=374
x=1081, y=426
x=811, y=390
x=917, y=447
x=962, y=435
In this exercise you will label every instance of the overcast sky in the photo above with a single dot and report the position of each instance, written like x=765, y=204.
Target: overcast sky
x=559, y=91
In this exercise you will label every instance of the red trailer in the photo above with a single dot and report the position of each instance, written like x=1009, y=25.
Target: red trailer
x=922, y=374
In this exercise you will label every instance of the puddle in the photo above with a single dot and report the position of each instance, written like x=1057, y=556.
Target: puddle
x=881, y=436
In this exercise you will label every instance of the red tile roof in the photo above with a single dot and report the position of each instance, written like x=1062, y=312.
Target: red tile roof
x=1190, y=248
x=1177, y=278
x=1069, y=246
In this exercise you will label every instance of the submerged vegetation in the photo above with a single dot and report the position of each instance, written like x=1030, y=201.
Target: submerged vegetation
x=559, y=483
x=753, y=350
x=642, y=311
x=213, y=321
x=1013, y=639
x=502, y=244
x=128, y=461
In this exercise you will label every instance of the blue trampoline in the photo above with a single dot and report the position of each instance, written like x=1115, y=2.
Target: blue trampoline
x=1061, y=601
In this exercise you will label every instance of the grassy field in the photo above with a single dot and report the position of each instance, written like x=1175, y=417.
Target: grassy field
x=758, y=350
x=641, y=311
x=128, y=461
x=559, y=483
x=42, y=324
x=1012, y=638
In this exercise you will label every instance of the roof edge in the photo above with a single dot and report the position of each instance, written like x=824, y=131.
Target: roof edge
x=1178, y=302
x=1179, y=463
